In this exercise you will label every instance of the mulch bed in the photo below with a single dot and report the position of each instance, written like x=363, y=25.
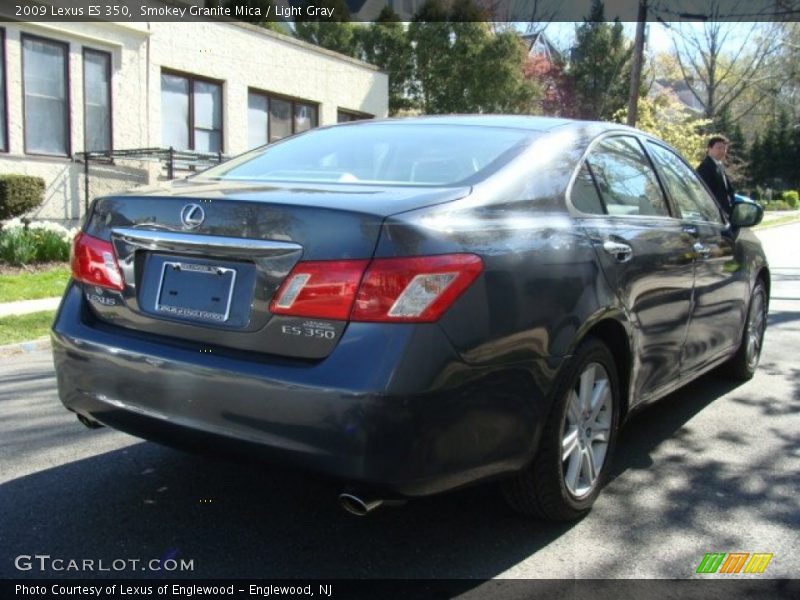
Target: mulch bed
x=6, y=269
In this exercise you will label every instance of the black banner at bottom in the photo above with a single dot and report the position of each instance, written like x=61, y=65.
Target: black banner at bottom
x=496, y=589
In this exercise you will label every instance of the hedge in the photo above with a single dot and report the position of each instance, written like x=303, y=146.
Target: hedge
x=792, y=198
x=19, y=194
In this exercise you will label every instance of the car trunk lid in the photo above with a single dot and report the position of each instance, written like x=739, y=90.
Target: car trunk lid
x=201, y=261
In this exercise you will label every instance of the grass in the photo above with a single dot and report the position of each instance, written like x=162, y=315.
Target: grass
x=30, y=286
x=784, y=220
x=22, y=328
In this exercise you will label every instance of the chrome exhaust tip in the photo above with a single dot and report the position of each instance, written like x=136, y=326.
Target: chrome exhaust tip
x=90, y=423
x=358, y=506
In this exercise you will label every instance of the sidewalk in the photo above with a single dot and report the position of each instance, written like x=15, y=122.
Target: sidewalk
x=24, y=307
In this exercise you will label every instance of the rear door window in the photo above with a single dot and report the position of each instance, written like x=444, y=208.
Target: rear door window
x=684, y=187
x=625, y=179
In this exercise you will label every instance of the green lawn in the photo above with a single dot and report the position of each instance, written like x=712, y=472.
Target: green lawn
x=784, y=220
x=22, y=328
x=30, y=286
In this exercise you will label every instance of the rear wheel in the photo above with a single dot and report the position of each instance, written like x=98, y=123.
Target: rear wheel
x=744, y=363
x=574, y=454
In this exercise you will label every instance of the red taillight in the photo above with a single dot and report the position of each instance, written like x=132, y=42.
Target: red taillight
x=414, y=289
x=94, y=262
x=322, y=289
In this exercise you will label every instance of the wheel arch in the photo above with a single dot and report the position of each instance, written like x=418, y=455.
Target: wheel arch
x=613, y=333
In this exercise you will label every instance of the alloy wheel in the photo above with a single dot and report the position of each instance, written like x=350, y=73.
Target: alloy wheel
x=586, y=430
x=756, y=324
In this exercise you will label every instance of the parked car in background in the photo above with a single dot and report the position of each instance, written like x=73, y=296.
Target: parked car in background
x=414, y=305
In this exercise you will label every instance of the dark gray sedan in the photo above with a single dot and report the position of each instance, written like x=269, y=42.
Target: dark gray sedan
x=416, y=305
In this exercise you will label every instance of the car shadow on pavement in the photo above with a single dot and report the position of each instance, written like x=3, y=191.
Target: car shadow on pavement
x=243, y=520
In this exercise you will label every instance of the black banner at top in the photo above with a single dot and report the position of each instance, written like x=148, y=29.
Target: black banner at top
x=256, y=11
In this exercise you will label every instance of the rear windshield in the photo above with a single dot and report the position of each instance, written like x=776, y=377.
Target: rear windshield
x=378, y=154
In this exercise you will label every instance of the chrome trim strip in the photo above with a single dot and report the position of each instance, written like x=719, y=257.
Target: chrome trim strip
x=149, y=239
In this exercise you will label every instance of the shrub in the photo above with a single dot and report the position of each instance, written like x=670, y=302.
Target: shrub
x=17, y=247
x=777, y=205
x=19, y=194
x=22, y=243
x=792, y=198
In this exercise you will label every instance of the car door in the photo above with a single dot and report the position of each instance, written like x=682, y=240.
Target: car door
x=645, y=253
x=720, y=290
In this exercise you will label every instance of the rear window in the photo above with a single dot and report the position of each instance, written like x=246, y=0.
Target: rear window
x=378, y=154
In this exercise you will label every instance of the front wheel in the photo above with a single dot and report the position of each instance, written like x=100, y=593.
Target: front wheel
x=742, y=365
x=574, y=456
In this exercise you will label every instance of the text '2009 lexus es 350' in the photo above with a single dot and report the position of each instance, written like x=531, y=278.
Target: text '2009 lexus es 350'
x=415, y=305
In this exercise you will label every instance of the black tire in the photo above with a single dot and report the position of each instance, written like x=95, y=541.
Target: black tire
x=742, y=365
x=541, y=490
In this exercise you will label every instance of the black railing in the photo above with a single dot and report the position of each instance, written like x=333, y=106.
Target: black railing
x=172, y=161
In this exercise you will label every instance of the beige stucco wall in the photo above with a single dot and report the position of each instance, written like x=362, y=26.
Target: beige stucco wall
x=241, y=56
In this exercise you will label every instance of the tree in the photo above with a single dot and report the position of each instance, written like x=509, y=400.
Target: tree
x=738, y=160
x=336, y=33
x=461, y=65
x=384, y=43
x=756, y=156
x=719, y=79
x=668, y=119
x=600, y=66
x=557, y=99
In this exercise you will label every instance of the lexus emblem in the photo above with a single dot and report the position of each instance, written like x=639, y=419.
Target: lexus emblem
x=192, y=216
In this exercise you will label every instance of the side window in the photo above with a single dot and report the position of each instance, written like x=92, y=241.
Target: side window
x=681, y=181
x=584, y=193
x=628, y=185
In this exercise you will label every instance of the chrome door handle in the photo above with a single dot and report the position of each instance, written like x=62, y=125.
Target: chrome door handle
x=701, y=249
x=621, y=252
x=690, y=229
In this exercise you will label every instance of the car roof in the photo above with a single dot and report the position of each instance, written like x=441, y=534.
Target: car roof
x=530, y=123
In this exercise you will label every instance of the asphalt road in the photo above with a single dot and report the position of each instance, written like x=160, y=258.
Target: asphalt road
x=713, y=467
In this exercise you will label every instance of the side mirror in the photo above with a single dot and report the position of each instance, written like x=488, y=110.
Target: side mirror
x=746, y=214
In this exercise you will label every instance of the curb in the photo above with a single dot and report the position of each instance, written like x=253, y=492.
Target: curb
x=25, y=347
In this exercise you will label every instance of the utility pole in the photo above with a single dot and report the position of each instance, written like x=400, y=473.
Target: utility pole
x=636, y=71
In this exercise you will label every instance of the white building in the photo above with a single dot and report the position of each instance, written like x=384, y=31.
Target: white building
x=218, y=87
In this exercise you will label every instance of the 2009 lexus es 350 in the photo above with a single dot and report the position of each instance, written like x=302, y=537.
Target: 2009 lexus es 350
x=414, y=305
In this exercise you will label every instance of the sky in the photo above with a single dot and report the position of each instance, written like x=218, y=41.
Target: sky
x=659, y=38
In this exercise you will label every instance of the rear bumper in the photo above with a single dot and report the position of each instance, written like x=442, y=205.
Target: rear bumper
x=393, y=408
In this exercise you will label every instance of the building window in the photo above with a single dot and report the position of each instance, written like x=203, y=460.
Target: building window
x=45, y=93
x=191, y=113
x=272, y=118
x=345, y=116
x=96, y=100
x=3, y=106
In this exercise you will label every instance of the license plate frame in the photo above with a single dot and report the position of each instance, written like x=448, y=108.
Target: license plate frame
x=170, y=270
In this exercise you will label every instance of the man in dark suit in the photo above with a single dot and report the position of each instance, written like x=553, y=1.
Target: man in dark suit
x=713, y=173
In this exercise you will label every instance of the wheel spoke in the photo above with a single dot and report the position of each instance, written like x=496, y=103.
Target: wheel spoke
x=573, y=472
x=586, y=387
x=573, y=409
x=600, y=396
x=588, y=467
x=570, y=444
x=600, y=433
